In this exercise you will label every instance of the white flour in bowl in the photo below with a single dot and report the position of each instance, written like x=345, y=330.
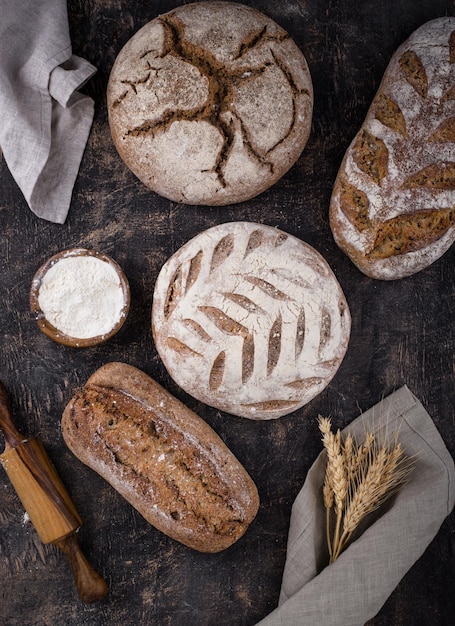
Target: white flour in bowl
x=82, y=297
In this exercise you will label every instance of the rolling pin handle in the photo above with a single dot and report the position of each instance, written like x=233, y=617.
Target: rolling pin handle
x=91, y=587
x=46, y=501
x=12, y=436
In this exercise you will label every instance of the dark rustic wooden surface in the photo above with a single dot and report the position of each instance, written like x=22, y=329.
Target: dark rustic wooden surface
x=402, y=332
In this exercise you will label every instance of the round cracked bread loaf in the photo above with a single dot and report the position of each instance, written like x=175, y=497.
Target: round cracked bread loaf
x=250, y=320
x=161, y=457
x=392, y=209
x=210, y=104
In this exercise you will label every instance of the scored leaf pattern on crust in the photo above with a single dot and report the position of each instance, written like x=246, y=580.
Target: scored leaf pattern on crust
x=405, y=232
x=244, y=302
x=371, y=155
x=355, y=204
x=414, y=72
x=300, y=334
x=280, y=274
x=326, y=329
x=445, y=131
x=267, y=288
x=223, y=322
x=174, y=292
x=398, y=235
x=449, y=95
x=217, y=371
x=264, y=329
x=280, y=239
x=222, y=251
x=272, y=405
x=389, y=113
x=254, y=241
x=180, y=347
x=305, y=383
x=193, y=272
x=248, y=350
x=452, y=48
x=436, y=176
x=196, y=328
x=274, y=345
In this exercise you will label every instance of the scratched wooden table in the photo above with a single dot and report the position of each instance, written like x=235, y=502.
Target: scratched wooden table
x=402, y=332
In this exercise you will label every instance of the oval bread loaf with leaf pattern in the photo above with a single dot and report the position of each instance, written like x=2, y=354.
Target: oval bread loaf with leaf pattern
x=250, y=320
x=393, y=205
x=161, y=457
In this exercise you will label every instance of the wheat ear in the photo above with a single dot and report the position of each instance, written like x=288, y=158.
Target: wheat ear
x=387, y=471
x=335, y=475
x=358, y=479
x=327, y=490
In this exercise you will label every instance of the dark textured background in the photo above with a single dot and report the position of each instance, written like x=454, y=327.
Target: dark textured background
x=402, y=332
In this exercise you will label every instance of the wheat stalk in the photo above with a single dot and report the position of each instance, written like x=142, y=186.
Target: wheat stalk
x=336, y=480
x=363, y=452
x=358, y=479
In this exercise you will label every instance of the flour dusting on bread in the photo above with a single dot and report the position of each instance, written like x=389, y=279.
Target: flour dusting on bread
x=163, y=458
x=210, y=103
x=393, y=204
x=250, y=320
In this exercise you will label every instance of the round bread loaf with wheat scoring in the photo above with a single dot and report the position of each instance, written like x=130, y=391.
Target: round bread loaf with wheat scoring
x=250, y=320
x=210, y=103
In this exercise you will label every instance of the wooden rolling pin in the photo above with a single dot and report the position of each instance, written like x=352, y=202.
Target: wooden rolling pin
x=46, y=501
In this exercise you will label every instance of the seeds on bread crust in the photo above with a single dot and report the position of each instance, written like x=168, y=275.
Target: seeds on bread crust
x=164, y=459
x=263, y=327
x=210, y=103
x=393, y=203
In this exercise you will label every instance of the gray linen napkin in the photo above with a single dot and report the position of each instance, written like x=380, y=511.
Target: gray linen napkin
x=45, y=120
x=353, y=589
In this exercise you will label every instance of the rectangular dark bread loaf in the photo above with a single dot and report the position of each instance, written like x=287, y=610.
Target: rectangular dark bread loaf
x=163, y=458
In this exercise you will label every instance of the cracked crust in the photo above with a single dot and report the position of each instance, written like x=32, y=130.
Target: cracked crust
x=250, y=320
x=392, y=209
x=161, y=457
x=210, y=103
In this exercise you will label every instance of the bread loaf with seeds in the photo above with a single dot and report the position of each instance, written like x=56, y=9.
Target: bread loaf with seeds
x=163, y=458
x=250, y=320
x=210, y=103
x=393, y=204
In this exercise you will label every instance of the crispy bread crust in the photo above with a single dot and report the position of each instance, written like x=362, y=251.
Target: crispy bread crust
x=392, y=209
x=163, y=458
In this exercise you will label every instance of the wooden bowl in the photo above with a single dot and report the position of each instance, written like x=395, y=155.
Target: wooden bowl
x=53, y=331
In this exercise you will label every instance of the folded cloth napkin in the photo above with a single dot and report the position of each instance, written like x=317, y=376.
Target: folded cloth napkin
x=352, y=590
x=45, y=120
